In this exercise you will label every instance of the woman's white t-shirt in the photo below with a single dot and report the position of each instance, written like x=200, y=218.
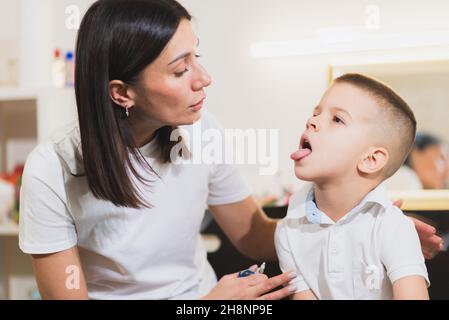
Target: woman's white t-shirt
x=154, y=253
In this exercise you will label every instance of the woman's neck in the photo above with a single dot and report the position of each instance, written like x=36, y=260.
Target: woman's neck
x=143, y=131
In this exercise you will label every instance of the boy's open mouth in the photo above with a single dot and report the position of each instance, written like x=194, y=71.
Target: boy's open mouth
x=306, y=144
x=305, y=149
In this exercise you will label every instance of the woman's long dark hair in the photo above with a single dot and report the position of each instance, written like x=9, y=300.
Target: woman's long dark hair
x=117, y=39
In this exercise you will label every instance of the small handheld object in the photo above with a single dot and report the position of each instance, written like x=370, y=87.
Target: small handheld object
x=248, y=272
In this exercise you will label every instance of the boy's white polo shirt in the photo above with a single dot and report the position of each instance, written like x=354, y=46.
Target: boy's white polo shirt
x=359, y=257
x=151, y=253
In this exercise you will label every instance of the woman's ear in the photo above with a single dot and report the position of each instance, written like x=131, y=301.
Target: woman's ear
x=373, y=161
x=121, y=94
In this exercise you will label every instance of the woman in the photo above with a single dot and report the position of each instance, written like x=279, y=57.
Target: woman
x=105, y=204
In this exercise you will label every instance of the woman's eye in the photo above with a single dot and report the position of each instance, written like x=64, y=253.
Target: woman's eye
x=180, y=74
x=338, y=120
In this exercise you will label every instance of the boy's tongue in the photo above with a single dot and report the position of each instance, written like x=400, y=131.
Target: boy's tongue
x=301, y=153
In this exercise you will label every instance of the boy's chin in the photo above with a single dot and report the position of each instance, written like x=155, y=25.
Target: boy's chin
x=302, y=174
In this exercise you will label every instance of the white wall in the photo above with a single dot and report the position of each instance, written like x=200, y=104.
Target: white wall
x=9, y=13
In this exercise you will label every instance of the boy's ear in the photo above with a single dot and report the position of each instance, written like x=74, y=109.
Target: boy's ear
x=373, y=161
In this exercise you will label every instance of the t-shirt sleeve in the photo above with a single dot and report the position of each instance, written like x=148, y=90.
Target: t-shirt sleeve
x=286, y=259
x=226, y=184
x=400, y=248
x=46, y=225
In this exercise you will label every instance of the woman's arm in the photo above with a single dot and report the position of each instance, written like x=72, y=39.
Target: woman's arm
x=248, y=228
x=410, y=288
x=59, y=276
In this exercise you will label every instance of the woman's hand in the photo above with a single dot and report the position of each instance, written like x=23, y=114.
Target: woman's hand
x=431, y=244
x=256, y=286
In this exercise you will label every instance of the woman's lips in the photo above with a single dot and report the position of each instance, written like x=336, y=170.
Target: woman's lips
x=198, y=106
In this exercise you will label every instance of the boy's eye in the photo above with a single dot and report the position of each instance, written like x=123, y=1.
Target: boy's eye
x=338, y=120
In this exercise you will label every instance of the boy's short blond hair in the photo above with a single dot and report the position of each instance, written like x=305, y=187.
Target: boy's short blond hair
x=398, y=127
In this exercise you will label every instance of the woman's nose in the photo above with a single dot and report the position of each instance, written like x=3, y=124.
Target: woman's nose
x=202, y=78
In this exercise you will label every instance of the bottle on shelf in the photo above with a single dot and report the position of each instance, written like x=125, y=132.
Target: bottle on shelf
x=70, y=69
x=58, y=70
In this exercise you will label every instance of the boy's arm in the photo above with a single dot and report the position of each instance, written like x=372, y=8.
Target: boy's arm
x=304, y=295
x=287, y=262
x=410, y=288
x=402, y=257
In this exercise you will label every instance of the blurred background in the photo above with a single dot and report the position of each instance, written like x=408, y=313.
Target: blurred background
x=270, y=62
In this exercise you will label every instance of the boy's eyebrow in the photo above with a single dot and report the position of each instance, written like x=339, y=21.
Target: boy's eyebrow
x=317, y=108
x=343, y=110
x=184, y=55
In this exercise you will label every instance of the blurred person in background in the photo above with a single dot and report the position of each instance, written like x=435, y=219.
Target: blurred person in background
x=426, y=167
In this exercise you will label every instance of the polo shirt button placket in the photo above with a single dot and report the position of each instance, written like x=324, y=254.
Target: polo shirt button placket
x=334, y=267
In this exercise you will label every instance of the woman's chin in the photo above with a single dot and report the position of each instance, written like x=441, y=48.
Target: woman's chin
x=193, y=117
x=186, y=120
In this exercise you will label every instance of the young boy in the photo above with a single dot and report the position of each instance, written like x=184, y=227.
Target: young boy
x=343, y=236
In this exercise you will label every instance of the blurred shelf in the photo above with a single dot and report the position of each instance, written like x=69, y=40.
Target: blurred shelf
x=9, y=229
x=422, y=200
x=15, y=93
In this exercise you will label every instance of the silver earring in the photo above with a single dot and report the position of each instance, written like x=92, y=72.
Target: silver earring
x=127, y=112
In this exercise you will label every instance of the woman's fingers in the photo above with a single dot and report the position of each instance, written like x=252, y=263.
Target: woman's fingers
x=273, y=283
x=398, y=203
x=431, y=243
x=431, y=246
x=423, y=228
x=279, y=294
x=254, y=279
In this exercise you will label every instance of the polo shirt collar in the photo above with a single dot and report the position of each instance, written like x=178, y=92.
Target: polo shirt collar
x=303, y=205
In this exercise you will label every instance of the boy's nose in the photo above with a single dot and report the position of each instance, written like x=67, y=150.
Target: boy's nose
x=312, y=124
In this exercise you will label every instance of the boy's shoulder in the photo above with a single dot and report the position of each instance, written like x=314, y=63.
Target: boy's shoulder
x=394, y=218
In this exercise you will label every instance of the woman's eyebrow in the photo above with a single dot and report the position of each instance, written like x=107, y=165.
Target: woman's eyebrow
x=184, y=55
